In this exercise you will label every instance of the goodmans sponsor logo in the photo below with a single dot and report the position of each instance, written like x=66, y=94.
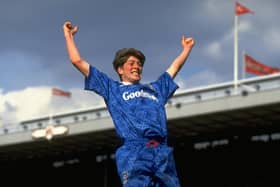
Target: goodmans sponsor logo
x=127, y=96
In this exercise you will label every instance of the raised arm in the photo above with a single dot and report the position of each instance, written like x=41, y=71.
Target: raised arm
x=176, y=65
x=73, y=52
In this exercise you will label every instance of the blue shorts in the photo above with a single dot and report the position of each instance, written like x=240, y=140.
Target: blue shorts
x=146, y=164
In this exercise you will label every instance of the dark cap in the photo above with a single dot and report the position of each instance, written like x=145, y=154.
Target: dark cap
x=123, y=54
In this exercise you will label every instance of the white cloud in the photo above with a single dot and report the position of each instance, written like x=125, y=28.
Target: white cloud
x=34, y=102
x=2, y=101
x=216, y=8
x=181, y=82
x=271, y=39
x=203, y=78
x=215, y=51
x=244, y=26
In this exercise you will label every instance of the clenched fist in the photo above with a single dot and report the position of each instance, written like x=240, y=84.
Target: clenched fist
x=187, y=42
x=68, y=28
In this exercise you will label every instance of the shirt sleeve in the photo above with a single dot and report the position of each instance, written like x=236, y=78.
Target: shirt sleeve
x=166, y=86
x=98, y=82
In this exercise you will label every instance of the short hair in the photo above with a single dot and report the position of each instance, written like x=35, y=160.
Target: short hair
x=122, y=55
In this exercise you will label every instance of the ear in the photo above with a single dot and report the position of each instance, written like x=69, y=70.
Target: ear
x=120, y=70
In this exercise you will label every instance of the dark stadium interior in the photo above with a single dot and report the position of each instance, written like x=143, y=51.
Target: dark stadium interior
x=239, y=162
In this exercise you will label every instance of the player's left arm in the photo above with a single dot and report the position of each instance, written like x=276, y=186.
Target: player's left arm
x=176, y=65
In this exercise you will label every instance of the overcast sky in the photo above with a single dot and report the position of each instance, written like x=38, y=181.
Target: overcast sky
x=33, y=56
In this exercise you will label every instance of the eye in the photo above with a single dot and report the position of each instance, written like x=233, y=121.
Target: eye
x=132, y=62
x=140, y=64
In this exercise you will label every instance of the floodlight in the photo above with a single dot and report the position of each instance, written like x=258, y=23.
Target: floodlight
x=49, y=132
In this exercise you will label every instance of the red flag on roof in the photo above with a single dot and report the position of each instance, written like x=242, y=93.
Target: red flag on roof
x=240, y=9
x=59, y=92
x=254, y=67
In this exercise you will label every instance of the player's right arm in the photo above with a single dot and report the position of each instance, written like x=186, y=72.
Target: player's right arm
x=73, y=52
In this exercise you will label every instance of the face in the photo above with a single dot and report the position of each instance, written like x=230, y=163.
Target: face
x=131, y=71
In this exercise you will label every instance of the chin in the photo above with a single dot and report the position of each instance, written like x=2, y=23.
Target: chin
x=136, y=81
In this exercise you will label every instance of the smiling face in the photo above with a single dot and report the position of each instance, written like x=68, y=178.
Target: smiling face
x=131, y=70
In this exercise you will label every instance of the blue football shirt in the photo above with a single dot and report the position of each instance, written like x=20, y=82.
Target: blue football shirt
x=137, y=110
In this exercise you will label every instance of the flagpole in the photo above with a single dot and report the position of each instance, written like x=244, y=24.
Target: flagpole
x=51, y=110
x=50, y=118
x=243, y=65
x=239, y=10
x=56, y=92
x=235, y=66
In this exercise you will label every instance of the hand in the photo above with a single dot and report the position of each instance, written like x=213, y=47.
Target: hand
x=68, y=28
x=187, y=43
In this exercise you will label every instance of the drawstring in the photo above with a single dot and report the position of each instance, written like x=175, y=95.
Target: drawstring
x=152, y=143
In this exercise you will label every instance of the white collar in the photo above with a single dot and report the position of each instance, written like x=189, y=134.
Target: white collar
x=126, y=83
